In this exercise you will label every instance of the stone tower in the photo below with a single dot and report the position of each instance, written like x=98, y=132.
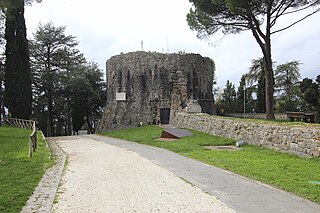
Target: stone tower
x=150, y=87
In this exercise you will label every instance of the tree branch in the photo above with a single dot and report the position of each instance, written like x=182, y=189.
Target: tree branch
x=257, y=26
x=280, y=12
x=256, y=35
x=298, y=10
x=296, y=22
x=278, y=8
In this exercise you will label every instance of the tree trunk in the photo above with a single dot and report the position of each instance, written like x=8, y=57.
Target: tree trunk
x=69, y=123
x=268, y=67
x=269, y=88
x=264, y=42
x=50, y=93
x=50, y=114
x=89, y=131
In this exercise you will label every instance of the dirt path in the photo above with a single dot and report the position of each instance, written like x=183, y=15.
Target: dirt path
x=103, y=178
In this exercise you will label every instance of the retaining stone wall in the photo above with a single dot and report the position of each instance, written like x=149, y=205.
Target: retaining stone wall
x=300, y=140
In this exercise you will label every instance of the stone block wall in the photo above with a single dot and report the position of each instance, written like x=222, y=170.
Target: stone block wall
x=303, y=140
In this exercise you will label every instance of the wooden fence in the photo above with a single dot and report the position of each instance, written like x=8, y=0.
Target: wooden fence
x=26, y=124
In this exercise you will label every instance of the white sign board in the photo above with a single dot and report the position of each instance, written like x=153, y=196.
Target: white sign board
x=121, y=96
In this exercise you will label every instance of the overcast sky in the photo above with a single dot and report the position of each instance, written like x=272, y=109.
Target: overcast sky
x=107, y=27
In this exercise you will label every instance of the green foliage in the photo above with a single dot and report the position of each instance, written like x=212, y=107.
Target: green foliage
x=2, y=61
x=8, y=3
x=68, y=90
x=52, y=57
x=219, y=107
x=214, y=76
x=244, y=94
x=286, y=81
x=2, y=27
x=29, y=2
x=229, y=96
x=18, y=94
x=233, y=16
x=286, y=171
x=256, y=81
x=87, y=95
x=19, y=175
x=261, y=93
x=311, y=94
x=286, y=75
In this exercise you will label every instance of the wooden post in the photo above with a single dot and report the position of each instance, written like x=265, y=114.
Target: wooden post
x=30, y=146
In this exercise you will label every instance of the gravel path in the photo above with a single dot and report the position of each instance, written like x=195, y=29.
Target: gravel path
x=103, y=178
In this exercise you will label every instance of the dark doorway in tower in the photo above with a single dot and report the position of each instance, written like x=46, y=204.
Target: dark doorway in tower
x=164, y=115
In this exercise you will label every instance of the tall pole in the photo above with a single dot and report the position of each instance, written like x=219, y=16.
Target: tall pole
x=244, y=101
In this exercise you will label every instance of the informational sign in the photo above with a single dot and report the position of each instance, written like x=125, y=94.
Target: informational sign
x=120, y=96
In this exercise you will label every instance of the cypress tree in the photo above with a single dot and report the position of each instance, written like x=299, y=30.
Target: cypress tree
x=18, y=93
x=261, y=93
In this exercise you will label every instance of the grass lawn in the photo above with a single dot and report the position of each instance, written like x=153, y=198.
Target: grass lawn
x=19, y=175
x=289, y=172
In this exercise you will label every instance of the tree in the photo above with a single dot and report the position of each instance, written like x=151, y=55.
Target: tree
x=244, y=96
x=286, y=82
x=311, y=93
x=256, y=79
x=88, y=96
x=18, y=94
x=241, y=96
x=255, y=71
x=229, y=97
x=2, y=27
x=214, y=81
x=68, y=91
x=261, y=94
x=2, y=68
x=287, y=75
x=233, y=16
x=2, y=62
x=49, y=47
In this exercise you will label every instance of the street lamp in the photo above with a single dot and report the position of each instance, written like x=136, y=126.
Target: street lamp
x=244, y=100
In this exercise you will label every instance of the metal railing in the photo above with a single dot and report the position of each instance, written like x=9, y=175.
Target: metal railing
x=26, y=124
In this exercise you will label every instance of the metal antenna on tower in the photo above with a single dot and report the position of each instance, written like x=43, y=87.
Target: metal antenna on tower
x=141, y=45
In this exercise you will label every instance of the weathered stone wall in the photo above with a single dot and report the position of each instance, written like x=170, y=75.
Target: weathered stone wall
x=301, y=140
x=153, y=81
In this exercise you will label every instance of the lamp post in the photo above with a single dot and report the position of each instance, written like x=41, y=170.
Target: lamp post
x=244, y=101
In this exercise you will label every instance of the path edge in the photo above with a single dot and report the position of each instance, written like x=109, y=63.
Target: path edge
x=43, y=197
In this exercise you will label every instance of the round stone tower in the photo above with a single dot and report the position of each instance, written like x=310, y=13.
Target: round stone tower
x=150, y=87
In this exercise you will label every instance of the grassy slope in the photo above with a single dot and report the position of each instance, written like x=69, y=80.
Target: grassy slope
x=19, y=175
x=286, y=171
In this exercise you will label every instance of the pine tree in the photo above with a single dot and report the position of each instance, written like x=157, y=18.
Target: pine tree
x=260, y=17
